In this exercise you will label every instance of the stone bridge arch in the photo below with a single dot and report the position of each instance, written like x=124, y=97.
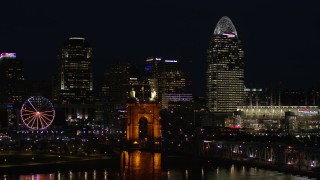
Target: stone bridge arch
x=136, y=113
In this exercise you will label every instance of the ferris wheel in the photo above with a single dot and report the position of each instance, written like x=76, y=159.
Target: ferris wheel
x=37, y=113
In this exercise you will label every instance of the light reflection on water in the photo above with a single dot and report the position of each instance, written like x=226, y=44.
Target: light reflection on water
x=145, y=165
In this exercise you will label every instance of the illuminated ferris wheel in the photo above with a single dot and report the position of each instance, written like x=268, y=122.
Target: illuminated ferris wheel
x=37, y=113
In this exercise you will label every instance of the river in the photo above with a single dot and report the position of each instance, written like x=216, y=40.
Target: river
x=146, y=165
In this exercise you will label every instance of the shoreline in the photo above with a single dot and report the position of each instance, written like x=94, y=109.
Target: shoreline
x=98, y=162
x=211, y=161
x=271, y=167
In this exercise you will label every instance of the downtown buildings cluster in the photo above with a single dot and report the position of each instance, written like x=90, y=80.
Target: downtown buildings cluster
x=228, y=103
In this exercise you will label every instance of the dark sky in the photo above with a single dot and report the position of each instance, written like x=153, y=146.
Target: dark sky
x=281, y=39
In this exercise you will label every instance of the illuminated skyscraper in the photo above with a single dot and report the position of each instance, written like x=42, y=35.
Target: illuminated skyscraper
x=12, y=89
x=172, y=78
x=165, y=76
x=75, y=72
x=11, y=78
x=73, y=93
x=225, y=71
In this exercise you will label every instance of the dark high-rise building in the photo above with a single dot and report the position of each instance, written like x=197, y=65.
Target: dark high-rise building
x=73, y=92
x=172, y=78
x=113, y=91
x=12, y=79
x=12, y=89
x=152, y=66
x=225, y=71
x=118, y=82
x=165, y=76
x=74, y=79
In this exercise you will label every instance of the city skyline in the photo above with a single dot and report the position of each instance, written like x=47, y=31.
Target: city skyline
x=275, y=50
x=159, y=90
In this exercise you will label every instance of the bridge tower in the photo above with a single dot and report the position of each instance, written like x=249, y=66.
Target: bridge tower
x=143, y=121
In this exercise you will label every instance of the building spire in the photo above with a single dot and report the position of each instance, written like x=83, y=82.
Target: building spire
x=225, y=26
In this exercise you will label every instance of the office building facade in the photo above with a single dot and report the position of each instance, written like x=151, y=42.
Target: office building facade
x=75, y=72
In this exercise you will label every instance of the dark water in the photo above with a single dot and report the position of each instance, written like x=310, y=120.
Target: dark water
x=144, y=165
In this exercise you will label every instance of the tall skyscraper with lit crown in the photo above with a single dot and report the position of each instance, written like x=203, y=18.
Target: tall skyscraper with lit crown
x=225, y=71
x=75, y=72
x=73, y=93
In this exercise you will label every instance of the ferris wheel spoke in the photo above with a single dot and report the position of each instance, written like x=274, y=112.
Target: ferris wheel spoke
x=32, y=120
x=28, y=117
x=31, y=113
x=28, y=110
x=27, y=122
x=37, y=119
x=43, y=120
x=47, y=111
x=32, y=105
x=42, y=125
x=35, y=124
x=48, y=115
x=47, y=118
x=27, y=113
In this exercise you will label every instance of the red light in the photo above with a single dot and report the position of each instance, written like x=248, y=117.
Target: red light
x=235, y=127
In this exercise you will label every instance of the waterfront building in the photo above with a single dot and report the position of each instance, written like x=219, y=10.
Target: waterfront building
x=280, y=97
x=257, y=97
x=284, y=118
x=225, y=71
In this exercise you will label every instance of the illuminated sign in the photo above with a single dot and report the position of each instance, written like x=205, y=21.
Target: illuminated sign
x=9, y=106
x=2, y=55
x=230, y=35
x=170, y=61
x=158, y=59
x=307, y=111
x=78, y=38
x=148, y=68
x=235, y=127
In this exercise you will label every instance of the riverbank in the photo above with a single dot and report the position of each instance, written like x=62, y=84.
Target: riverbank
x=13, y=164
x=197, y=162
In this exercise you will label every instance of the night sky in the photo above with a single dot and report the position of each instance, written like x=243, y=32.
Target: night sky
x=281, y=39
